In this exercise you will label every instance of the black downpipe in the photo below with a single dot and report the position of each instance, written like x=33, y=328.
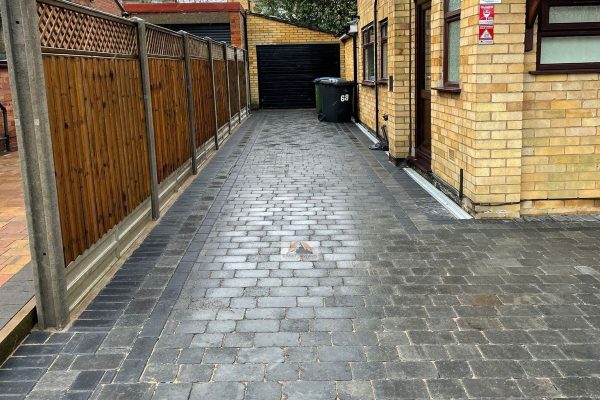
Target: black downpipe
x=6, y=137
x=376, y=77
x=461, y=189
x=249, y=91
x=355, y=59
x=410, y=81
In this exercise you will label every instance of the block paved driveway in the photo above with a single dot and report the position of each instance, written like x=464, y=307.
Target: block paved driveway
x=383, y=295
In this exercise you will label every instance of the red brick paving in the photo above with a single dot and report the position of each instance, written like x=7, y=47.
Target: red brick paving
x=14, y=243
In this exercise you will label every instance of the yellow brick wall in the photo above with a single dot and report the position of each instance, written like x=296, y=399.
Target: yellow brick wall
x=264, y=31
x=561, y=142
x=528, y=144
x=453, y=115
x=402, y=65
x=387, y=99
x=480, y=129
x=348, y=60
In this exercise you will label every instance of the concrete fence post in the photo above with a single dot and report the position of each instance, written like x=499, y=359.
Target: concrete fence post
x=20, y=26
x=190, y=98
x=237, y=81
x=228, y=85
x=214, y=90
x=248, y=91
x=145, y=74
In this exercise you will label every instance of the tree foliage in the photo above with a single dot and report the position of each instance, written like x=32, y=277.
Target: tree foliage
x=327, y=15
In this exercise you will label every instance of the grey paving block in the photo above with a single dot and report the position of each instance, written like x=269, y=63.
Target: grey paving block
x=309, y=390
x=396, y=299
x=263, y=391
x=217, y=391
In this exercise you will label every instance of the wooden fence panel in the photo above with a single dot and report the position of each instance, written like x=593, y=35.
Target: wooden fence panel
x=203, y=100
x=169, y=100
x=242, y=80
x=234, y=100
x=98, y=105
x=99, y=145
x=221, y=86
x=202, y=90
x=169, y=109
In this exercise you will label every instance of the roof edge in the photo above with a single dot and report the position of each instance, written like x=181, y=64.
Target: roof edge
x=120, y=4
x=157, y=8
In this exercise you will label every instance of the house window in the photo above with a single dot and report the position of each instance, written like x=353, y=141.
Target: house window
x=452, y=43
x=569, y=35
x=383, y=28
x=368, y=40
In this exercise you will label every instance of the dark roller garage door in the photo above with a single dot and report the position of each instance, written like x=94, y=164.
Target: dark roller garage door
x=220, y=32
x=286, y=72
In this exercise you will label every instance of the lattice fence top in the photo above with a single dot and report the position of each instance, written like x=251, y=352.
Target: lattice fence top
x=77, y=29
x=198, y=48
x=230, y=53
x=217, y=51
x=163, y=43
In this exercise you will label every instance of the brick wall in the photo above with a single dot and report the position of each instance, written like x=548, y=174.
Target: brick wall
x=397, y=103
x=561, y=142
x=244, y=4
x=527, y=144
x=366, y=90
x=109, y=6
x=479, y=130
x=264, y=31
x=236, y=23
x=348, y=60
x=453, y=115
x=403, y=66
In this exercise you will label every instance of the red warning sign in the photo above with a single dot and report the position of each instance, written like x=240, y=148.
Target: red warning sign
x=486, y=34
x=486, y=14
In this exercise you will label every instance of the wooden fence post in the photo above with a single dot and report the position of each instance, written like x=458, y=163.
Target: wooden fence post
x=228, y=85
x=145, y=74
x=214, y=89
x=20, y=24
x=190, y=97
x=237, y=80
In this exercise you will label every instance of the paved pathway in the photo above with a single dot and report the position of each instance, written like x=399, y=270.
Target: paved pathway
x=14, y=243
x=16, y=282
x=300, y=265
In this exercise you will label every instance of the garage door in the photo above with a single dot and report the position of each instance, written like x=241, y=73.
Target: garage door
x=220, y=32
x=286, y=72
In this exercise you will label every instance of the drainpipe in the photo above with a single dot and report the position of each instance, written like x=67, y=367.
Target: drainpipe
x=376, y=76
x=410, y=84
x=249, y=89
x=355, y=62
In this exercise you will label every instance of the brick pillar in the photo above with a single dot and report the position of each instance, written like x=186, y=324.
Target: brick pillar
x=498, y=78
x=399, y=54
x=480, y=129
x=235, y=23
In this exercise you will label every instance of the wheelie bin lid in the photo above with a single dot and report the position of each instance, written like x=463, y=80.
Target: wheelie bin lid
x=324, y=78
x=337, y=82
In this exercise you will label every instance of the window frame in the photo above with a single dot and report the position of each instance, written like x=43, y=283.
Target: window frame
x=365, y=48
x=547, y=29
x=449, y=17
x=383, y=64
